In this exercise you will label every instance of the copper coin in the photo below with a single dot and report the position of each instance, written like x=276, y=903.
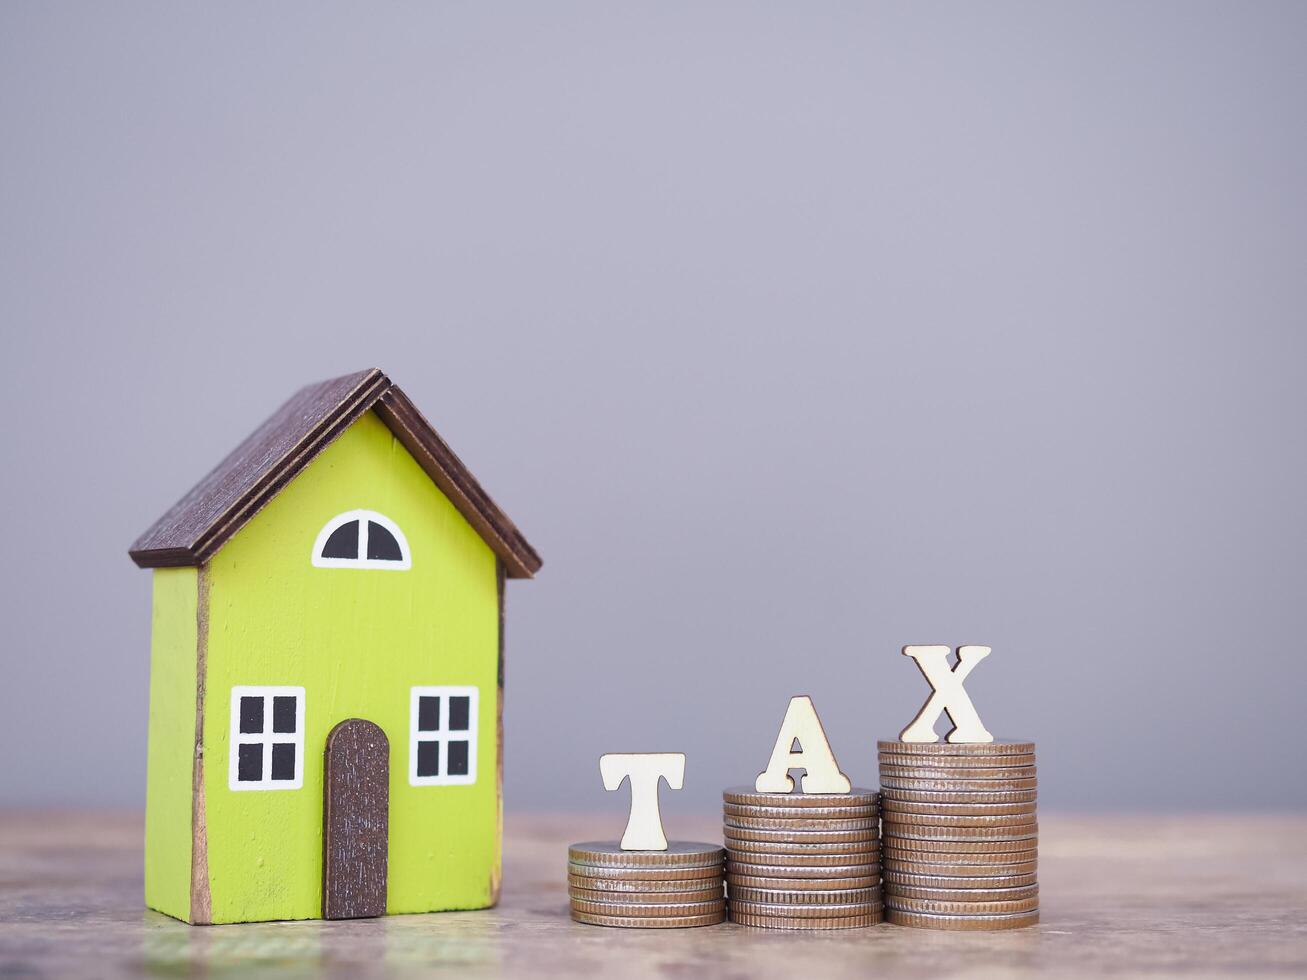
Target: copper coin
x=803, y=911
x=1027, y=831
x=749, y=796
x=803, y=822
x=600, y=897
x=953, y=820
x=802, y=884
x=644, y=874
x=737, y=869
x=951, y=847
x=847, y=859
x=790, y=812
x=771, y=896
x=969, y=796
x=895, y=808
x=808, y=925
x=648, y=921
x=996, y=747
x=635, y=886
x=965, y=923
x=959, y=785
x=801, y=836
x=951, y=882
x=952, y=775
x=964, y=762
x=933, y=869
x=632, y=909
x=679, y=853
x=963, y=908
x=961, y=894
x=783, y=847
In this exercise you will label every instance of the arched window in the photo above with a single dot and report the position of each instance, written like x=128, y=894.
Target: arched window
x=361, y=539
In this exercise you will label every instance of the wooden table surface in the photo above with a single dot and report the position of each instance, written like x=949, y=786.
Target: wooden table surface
x=1144, y=895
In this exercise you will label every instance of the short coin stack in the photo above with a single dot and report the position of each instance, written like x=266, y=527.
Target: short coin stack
x=671, y=889
x=961, y=841
x=802, y=861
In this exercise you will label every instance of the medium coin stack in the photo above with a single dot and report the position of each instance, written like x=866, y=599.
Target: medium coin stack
x=671, y=889
x=961, y=841
x=802, y=861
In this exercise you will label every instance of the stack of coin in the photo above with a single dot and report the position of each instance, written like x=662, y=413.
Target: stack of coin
x=961, y=841
x=671, y=889
x=802, y=861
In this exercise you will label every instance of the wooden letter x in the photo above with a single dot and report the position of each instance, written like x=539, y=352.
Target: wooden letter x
x=644, y=828
x=946, y=695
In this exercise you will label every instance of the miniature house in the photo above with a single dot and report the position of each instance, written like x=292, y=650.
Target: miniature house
x=326, y=671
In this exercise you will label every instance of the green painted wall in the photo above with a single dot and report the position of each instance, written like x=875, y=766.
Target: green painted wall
x=356, y=640
x=172, y=742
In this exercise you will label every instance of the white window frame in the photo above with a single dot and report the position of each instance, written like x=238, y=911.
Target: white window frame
x=444, y=735
x=361, y=561
x=267, y=738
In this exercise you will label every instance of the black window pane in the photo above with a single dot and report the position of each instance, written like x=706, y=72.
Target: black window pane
x=344, y=542
x=458, y=713
x=458, y=758
x=251, y=715
x=382, y=545
x=249, y=763
x=428, y=713
x=428, y=758
x=283, y=760
x=283, y=714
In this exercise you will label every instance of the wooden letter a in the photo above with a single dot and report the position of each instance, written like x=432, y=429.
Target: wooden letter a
x=821, y=771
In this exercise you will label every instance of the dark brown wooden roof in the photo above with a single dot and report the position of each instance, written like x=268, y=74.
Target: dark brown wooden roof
x=219, y=505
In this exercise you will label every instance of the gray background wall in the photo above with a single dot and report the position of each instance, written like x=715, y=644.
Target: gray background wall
x=789, y=333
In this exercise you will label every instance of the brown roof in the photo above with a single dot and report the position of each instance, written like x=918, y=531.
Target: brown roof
x=219, y=505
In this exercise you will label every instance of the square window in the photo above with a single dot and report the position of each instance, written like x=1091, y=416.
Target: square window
x=458, y=713
x=457, y=758
x=283, y=715
x=428, y=758
x=283, y=760
x=251, y=716
x=249, y=763
x=428, y=713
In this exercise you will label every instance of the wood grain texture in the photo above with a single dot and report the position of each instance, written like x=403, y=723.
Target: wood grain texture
x=236, y=489
x=1153, y=896
x=355, y=818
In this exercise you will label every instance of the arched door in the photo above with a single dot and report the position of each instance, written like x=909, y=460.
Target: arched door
x=356, y=818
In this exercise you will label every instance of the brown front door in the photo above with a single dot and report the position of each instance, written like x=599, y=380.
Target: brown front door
x=355, y=817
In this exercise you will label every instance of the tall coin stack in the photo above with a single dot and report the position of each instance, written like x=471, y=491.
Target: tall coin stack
x=961, y=840
x=802, y=861
x=671, y=889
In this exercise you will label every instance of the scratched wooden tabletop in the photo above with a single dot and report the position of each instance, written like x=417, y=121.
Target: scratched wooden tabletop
x=1140, y=895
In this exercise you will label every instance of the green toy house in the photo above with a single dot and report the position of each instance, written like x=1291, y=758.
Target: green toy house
x=326, y=671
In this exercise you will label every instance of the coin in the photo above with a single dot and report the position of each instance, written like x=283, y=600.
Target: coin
x=963, y=846
x=959, y=785
x=996, y=747
x=1028, y=831
x=737, y=869
x=951, y=820
x=630, y=886
x=771, y=896
x=893, y=808
x=912, y=880
x=951, y=775
x=932, y=796
x=961, y=894
x=802, y=823
x=968, y=923
x=648, y=921
x=600, y=896
x=965, y=762
x=803, y=836
x=679, y=853
x=962, y=908
x=974, y=869
x=644, y=874
x=784, y=847
x=801, y=884
x=749, y=796
x=632, y=909
x=782, y=922
x=802, y=911
x=806, y=859
x=790, y=812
